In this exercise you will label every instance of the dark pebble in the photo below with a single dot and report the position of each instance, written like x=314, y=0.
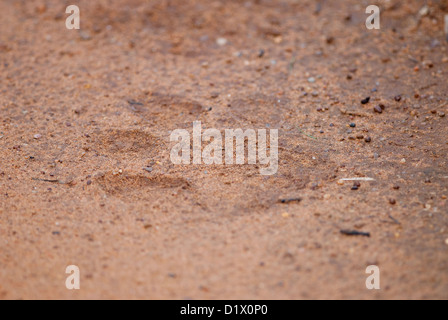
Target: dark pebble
x=353, y=125
x=368, y=139
x=330, y=40
x=261, y=53
x=356, y=185
x=398, y=98
x=366, y=100
x=396, y=187
x=392, y=201
x=89, y=182
x=378, y=109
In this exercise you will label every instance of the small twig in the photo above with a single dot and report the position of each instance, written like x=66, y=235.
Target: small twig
x=292, y=63
x=355, y=233
x=446, y=26
x=357, y=179
x=136, y=103
x=290, y=200
x=394, y=220
x=46, y=180
x=69, y=182
x=309, y=136
x=412, y=59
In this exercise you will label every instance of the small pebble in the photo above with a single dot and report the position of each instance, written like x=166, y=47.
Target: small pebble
x=37, y=136
x=403, y=161
x=378, y=109
x=84, y=35
x=148, y=169
x=366, y=100
x=353, y=125
x=397, y=98
x=221, y=41
x=89, y=182
x=368, y=139
x=396, y=187
x=446, y=241
x=311, y=80
x=261, y=53
x=392, y=201
x=356, y=185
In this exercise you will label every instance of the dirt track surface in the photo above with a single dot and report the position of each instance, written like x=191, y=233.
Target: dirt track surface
x=81, y=113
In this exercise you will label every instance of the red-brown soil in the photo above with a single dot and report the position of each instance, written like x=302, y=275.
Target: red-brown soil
x=82, y=113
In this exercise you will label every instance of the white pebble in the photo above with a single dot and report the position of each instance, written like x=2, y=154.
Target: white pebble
x=221, y=41
x=37, y=136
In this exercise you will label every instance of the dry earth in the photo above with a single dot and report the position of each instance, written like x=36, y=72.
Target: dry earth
x=82, y=113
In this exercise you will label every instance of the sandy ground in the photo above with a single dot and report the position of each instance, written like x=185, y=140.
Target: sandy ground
x=82, y=113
